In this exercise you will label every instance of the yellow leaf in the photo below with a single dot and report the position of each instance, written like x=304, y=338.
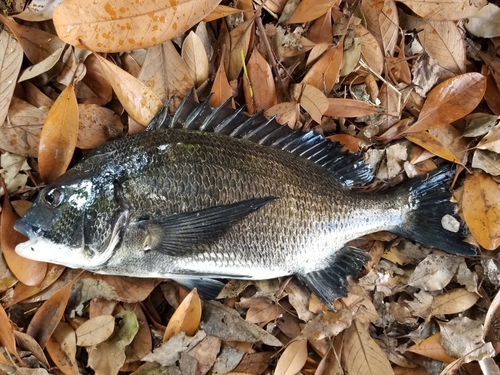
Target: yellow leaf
x=139, y=100
x=362, y=354
x=58, y=136
x=481, y=206
x=293, y=358
x=431, y=143
x=186, y=318
x=125, y=25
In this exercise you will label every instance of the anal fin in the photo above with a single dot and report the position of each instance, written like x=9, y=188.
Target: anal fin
x=328, y=284
x=207, y=288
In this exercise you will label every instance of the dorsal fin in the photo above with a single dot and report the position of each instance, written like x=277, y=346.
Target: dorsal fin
x=348, y=168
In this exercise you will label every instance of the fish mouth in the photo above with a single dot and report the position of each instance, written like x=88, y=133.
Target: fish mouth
x=26, y=229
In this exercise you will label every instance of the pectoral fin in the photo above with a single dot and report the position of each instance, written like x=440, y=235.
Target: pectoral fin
x=207, y=288
x=329, y=283
x=190, y=232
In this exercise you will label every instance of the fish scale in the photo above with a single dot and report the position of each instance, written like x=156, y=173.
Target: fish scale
x=209, y=193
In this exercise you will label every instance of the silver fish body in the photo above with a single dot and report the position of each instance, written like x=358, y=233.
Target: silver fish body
x=177, y=202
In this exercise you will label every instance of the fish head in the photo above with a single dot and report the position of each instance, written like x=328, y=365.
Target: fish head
x=75, y=222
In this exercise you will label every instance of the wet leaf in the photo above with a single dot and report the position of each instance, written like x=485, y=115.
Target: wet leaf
x=58, y=136
x=362, y=354
x=481, y=206
x=106, y=27
x=431, y=347
x=139, y=100
x=95, y=330
x=186, y=318
x=309, y=10
x=27, y=271
x=97, y=125
x=450, y=100
x=48, y=316
x=293, y=358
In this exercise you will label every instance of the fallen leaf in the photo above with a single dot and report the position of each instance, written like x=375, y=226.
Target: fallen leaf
x=195, y=56
x=170, y=351
x=139, y=100
x=326, y=325
x=361, y=353
x=95, y=330
x=11, y=58
x=320, y=32
x=349, y=108
x=58, y=136
x=26, y=342
x=259, y=88
x=309, y=10
x=434, y=272
x=431, y=143
x=311, y=99
x=28, y=271
x=371, y=52
x=48, y=316
x=478, y=124
x=221, y=90
x=186, y=318
x=324, y=73
x=204, y=354
x=61, y=347
x=481, y=207
x=286, y=113
x=451, y=10
x=293, y=358
x=7, y=338
x=123, y=26
x=453, y=302
x=491, y=322
x=382, y=22
x=491, y=141
x=484, y=23
x=96, y=125
x=221, y=11
x=240, y=36
x=431, y=347
x=449, y=101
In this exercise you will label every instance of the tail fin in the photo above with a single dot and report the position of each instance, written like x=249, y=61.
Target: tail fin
x=432, y=220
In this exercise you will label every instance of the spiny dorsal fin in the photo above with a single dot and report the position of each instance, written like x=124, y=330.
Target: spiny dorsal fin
x=348, y=168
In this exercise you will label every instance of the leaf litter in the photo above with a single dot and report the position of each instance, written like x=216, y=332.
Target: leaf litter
x=407, y=99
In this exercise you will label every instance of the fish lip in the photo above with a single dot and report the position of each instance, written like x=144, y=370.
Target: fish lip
x=25, y=228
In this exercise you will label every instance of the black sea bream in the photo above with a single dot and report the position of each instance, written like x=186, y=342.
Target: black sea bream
x=211, y=193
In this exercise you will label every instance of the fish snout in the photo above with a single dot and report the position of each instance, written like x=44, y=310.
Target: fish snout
x=26, y=229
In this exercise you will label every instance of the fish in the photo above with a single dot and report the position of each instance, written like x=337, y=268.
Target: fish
x=206, y=194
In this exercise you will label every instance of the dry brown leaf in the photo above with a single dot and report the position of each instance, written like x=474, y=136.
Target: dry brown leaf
x=320, y=32
x=95, y=330
x=27, y=271
x=371, y=53
x=126, y=25
x=491, y=141
x=491, y=322
x=48, y=316
x=431, y=143
x=204, y=354
x=195, y=56
x=450, y=100
x=361, y=353
x=141, y=103
x=453, y=302
x=97, y=125
x=186, y=318
x=391, y=101
x=58, y=136
x=26, y=342
x=324, y=73
x=96, y=81
x=260, y=92
x=330, y=364
x=431, y=348
x=61, y=347
x=7, y=338
x=293, y=358
x=443, y=41
x=311, y=99
x=240, y=36
x=309, y=10
x=434, y=272
x=286, y=113
x=481, y=207
x=453, y=10
x=338, y=107
x=221, y=90
x=11, y=58
x=492, y=94
x=382, y=21
x=20, y=134
x=349, y=142
x=142, y=343
x=261, y=309
x=221, y=11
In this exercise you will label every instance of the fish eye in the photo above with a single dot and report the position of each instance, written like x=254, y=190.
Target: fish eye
x=53, y=197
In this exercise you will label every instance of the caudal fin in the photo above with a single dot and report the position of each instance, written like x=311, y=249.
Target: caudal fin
x=433, y=221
